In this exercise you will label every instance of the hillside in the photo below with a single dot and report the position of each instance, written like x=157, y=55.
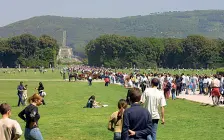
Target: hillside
x=81, y=30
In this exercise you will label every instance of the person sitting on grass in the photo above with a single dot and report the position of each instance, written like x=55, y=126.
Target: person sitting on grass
x=116, y=119
x=92, y=103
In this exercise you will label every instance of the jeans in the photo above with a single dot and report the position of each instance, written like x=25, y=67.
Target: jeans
x=201, y=89
x=173, y=94
x=117, y=136
x=183, y=87
x=20, y=99
x=154, y=129
x=33, y=134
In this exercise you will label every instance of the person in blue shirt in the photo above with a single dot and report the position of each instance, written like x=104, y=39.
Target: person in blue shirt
x=20, y=89
x=137, y=121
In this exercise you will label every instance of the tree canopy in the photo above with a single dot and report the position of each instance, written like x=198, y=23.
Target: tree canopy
x=120, y=51
x=28, y=51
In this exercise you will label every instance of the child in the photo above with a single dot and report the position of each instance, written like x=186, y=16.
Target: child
x=25, y=94
x=115, y=121
x=173, y=90
x=107, y=81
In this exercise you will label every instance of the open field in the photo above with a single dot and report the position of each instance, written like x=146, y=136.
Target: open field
x=56, y=74
x=64, y=118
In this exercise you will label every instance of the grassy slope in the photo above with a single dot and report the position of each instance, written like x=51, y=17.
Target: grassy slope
x=64, y=118
x=82, y=30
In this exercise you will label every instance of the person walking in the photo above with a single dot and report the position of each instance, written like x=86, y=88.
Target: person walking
x=153, y=99
x=20, y=89
x=25, y=94
x=41, y=92
x=90, y=80
x=107, y=81
x=173, y=90
x=9, y=129
x=116, y=119
x=31, y=116
x=215, y=93
x=137, y=121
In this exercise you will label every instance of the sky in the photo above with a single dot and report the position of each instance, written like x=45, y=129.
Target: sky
x=15, y=10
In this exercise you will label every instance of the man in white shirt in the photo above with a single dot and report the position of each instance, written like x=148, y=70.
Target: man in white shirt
x=9, y=129
x=153, y=99
x=187, y=82
x=183, y=83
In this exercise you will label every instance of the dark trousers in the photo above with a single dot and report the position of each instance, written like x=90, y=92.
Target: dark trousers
x=20, y=99
x=178, y=90
x=143, y=87
x=106, y=84
x=43, y=101
x=90, y=82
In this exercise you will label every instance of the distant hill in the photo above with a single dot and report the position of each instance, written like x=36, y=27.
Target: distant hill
x=81, y=30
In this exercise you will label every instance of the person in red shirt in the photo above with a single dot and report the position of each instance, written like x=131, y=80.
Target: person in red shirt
x=173, y=90
x=107, y=81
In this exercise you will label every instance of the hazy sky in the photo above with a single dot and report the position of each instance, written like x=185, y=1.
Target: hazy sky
x=15, y=10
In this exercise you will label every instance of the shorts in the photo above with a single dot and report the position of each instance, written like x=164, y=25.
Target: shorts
x=215, y=92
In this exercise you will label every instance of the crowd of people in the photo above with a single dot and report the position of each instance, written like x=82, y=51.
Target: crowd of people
x=137, y=116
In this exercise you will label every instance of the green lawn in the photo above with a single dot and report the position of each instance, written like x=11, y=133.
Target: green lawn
x=31, y=75
x=64, y=118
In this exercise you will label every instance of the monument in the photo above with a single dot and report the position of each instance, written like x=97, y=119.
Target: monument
x=65, y=51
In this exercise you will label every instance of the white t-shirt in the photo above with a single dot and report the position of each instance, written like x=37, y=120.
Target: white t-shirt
x=183, y=79
x=9, y=128
x=205, y=81
x=130, y=84
x=209, y=81
x=153, y=99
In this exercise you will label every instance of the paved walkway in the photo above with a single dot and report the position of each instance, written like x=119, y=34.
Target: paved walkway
x=204, y=99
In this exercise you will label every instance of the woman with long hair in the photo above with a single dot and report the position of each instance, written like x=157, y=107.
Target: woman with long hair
x=115, y=121
x=31, y=116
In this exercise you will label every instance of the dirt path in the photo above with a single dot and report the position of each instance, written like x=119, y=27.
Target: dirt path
x=205, y=99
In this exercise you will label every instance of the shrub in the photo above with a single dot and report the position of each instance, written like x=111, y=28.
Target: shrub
x=220, y=71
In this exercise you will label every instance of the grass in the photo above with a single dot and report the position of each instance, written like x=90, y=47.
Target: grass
x=64, y=118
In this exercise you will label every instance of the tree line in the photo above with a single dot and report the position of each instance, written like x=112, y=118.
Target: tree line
x=194, y=51
x=28, y=51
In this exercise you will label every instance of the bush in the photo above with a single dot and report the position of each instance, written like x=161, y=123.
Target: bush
x=220, y=71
